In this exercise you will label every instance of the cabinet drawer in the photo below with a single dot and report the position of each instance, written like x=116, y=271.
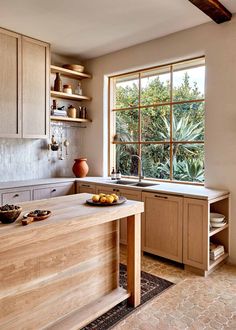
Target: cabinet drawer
x=16, y=197
x=85, y=188
x=107, y=190
x=54, y=191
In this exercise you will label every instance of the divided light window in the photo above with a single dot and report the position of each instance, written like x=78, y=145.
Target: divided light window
x=158, y=114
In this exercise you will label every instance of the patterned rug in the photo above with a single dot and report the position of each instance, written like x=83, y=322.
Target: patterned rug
x=151, y=286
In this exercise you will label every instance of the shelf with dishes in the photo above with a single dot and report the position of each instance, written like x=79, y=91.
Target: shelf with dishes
x=218, y=232
x=70, y=73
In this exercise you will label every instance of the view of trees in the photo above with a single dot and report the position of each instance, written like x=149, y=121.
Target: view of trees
x=175, y=131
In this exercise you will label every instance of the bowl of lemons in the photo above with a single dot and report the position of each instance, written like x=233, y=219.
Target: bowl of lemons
x=106, y=200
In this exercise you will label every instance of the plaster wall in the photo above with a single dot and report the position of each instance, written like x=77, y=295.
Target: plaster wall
x=218, y=44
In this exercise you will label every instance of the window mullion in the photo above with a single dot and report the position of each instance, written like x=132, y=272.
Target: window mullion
x=171, y=122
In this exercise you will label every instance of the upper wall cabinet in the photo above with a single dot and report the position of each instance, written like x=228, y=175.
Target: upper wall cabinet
x=10, y=84
x=35, y=88
x=24, y=86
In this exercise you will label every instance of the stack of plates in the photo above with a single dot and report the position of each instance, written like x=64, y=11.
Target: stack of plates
x=217, y=220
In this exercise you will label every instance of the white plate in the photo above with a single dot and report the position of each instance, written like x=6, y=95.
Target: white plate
x=218, y=225
x=216, y=217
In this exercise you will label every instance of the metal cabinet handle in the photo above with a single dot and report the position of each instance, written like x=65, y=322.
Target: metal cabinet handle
x=164, y=197
x=54, y=190
x=117, y=190
x=16, y=195
x=85, y=185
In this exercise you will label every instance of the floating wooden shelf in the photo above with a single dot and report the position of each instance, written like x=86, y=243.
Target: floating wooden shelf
x=70, y=96
x=70, y=73
x=214, y=231
x=213, y=263
x=68, y=119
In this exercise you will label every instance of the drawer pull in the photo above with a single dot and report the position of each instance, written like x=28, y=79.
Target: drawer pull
x=85, y=185
x=16, y=195
x=54, y=190
x=117, y=190
x=164, y=197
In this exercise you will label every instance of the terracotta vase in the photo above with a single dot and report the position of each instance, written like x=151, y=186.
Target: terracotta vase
x=80, y=167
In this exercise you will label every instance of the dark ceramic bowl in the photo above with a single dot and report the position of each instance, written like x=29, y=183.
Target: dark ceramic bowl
x=10, y=216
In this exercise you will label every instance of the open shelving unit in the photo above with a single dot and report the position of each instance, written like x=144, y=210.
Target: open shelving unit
x=219, y=235
x=73, y=97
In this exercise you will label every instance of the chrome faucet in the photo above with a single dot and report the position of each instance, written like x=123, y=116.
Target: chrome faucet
x=140, y=168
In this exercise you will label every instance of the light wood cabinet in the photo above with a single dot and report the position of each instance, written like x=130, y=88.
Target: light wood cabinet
x=56, y=190
x=10, y=84
x=16, y=196
x=163, y=223
x=85, y=188
x=24, y=86
x=35, y=87
x=197, y=233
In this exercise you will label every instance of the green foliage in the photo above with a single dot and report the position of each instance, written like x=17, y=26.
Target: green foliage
x=187, y=125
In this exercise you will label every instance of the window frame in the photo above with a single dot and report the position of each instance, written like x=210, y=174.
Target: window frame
x=170, y=103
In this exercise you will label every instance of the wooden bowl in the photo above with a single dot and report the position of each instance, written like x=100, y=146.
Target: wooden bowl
x=74, y=67
x=10, y=216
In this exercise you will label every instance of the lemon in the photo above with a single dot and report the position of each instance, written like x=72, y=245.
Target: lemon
x=115, y=197
x=110, y=199
x=96, y=198
x=103, y=199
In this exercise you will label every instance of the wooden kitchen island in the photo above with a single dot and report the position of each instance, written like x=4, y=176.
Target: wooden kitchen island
x=63, y=272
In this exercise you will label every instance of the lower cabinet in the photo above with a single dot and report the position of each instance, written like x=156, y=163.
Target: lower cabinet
x=195, y=238
x=162, y=225
x=56, y=190
x=17, y=196
x=85, y=188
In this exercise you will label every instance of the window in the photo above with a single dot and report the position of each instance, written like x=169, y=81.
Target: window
x=158, y=114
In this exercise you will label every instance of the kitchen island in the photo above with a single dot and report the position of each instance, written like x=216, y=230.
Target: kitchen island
x=63, y=272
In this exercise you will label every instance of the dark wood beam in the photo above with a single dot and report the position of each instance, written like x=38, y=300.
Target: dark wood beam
x=214, y=9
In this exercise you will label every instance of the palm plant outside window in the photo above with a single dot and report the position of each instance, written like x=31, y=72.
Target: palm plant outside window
x=158, y=114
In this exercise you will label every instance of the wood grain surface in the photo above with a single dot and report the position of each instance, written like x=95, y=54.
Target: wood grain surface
x=56, y=267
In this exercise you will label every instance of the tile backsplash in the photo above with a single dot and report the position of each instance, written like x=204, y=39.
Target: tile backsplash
x=25, y=159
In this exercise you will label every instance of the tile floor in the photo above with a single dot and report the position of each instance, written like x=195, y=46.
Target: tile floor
x=194, y=303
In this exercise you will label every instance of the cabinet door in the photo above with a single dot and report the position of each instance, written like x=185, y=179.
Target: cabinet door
x=85, y=188
x=134, y=195
x=163, y=222
x=17, y=196
x=10, y=84
x=54, y=191
x=195, y=239
x=35, y=87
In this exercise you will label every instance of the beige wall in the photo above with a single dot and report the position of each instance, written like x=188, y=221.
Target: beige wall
x=218, y=44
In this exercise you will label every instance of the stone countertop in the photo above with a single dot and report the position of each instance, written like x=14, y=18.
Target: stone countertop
x=27, y=183
x=186, y=190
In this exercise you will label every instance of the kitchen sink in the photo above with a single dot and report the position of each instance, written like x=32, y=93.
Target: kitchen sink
x=135, y=183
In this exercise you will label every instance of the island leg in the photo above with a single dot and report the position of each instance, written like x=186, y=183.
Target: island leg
x=134, y=259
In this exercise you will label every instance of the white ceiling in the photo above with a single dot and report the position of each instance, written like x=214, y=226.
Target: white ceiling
x=91, y=28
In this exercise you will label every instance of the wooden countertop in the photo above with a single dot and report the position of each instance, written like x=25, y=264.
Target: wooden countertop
x=73, y=211
x=62, y=272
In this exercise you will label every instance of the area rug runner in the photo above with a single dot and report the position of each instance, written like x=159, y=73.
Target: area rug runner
x=151, y=286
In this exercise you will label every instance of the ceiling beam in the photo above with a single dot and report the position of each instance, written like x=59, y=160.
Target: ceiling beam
x=214, y=9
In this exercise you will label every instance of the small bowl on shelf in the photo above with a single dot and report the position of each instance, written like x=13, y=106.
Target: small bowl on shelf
x=9, y=216
x=74, y=67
